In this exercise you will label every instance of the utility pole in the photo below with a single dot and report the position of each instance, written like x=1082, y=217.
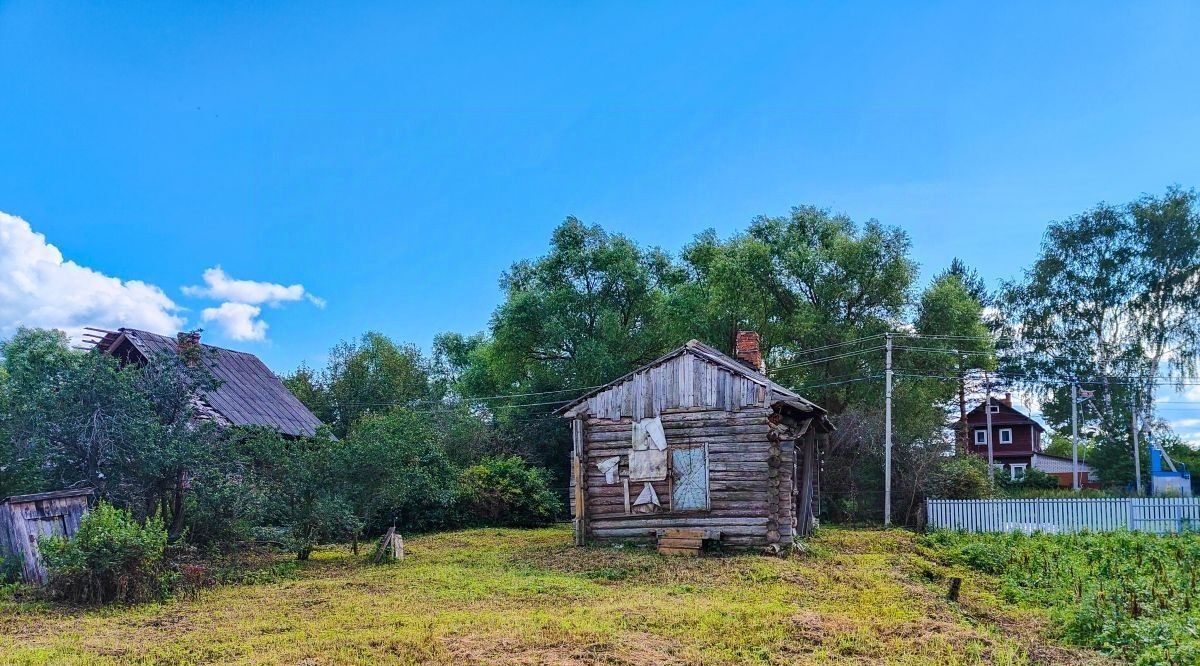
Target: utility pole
x=961, y=440
x=887, y=437
x=987, y=410
x=1137, y=458
x=1074, y=436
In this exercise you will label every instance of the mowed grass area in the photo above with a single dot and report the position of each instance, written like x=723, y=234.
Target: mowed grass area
x=527, y=597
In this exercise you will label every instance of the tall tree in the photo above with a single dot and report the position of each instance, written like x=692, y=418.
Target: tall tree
x=806, y=281
x=1111, y=303
x=589, y=310
x=956, y=339
x=370, y=375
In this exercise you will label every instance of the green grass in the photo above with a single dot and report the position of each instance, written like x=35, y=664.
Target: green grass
x=527, y=597
x=1131, y=594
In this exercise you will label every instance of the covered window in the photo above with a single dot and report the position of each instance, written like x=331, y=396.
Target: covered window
x=1006, y=436
x=1016, y=471
x=689, y=478
x=981, y=437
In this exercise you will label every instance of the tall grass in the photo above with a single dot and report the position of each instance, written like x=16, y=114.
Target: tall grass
x=1130, y=594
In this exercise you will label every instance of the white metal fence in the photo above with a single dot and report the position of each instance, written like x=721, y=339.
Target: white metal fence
x=1159, y=515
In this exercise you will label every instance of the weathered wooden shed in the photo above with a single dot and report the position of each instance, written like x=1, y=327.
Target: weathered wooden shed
x=695, y=440
x=26, y=518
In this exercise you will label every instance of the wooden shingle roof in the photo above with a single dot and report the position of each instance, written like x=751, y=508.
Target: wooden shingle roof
x=249, y=393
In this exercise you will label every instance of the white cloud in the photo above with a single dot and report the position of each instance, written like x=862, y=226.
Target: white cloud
x=220, y=286
x=238, y=315
x=239, y=321
x=39, y=288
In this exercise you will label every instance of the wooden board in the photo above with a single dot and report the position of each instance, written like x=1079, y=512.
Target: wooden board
x=680, y=543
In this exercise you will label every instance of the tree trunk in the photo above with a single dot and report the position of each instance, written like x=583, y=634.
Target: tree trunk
x=177, y=507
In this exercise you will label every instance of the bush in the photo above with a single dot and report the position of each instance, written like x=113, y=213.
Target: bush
x=960, y=477
x=505, y=491
x=111, y=559
x=1034, y=480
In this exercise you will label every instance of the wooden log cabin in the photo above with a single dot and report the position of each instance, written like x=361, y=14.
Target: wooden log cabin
x=695, y=441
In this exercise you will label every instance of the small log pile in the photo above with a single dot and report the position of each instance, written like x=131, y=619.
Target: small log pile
x=684, y=542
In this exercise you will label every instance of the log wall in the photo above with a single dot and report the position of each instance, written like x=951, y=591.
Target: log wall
x=749, y=478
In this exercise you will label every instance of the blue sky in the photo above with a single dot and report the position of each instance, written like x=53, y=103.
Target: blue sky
x=390, y=159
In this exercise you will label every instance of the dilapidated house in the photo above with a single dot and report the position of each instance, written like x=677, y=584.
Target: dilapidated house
x=248, y=394
x=695, y=442
x=24, y=519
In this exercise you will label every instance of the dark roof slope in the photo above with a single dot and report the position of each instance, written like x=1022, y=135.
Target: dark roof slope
x=249, y=394
x=1008, y=415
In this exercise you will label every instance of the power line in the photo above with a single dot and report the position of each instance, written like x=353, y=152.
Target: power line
x=808, y=387
x=1132, y=380
x=955, y=352
x=841, y=344
x=824, y=360
x=353, y=403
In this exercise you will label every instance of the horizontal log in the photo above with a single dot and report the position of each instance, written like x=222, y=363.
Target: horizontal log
x=687, y=533
x=716, y=431
x=751, y=507
x=722, y=466
x=759, y=494
x=747, y=485
x=757, y=478
x=650, y=533
x=661, y=521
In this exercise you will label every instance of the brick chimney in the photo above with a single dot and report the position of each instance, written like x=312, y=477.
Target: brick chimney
x=748, y=350
x=1007, y=399
x=188, y=346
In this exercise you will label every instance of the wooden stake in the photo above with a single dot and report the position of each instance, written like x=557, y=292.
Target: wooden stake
x=955, y=583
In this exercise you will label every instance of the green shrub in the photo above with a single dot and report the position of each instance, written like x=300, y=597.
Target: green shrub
x=505, y=491
x=959, y=477
x=112, y=558
x=1033, y=482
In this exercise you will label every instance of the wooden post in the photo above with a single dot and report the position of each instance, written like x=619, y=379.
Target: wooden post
x=887, y=436
x=955, y=584
x=805, y=521
x=579, y=470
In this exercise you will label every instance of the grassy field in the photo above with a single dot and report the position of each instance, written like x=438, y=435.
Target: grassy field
x=528, y=597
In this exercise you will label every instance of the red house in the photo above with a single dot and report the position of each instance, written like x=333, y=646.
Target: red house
x=1017, y=443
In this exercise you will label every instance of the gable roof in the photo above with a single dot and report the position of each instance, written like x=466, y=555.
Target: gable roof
x=249, y=394
x=1007, y=415
x=782, y=394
